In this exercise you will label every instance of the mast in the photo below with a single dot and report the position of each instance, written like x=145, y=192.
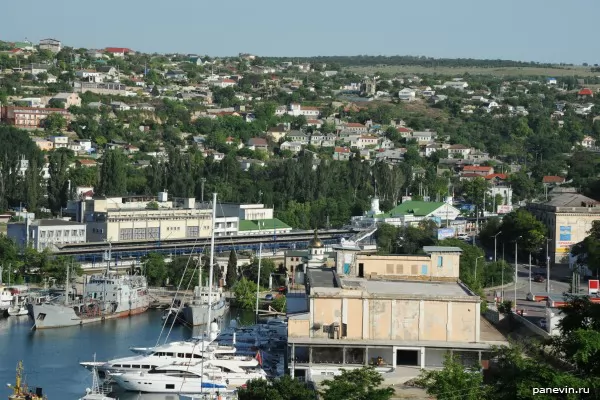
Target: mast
x=211, y=270
x=67, y=286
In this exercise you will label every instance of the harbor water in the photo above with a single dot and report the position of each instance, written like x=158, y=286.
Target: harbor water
x=51, y=357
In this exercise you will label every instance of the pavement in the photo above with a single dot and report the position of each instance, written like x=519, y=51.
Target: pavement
x=534, y=311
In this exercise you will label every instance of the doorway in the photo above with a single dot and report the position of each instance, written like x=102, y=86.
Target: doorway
x=407, y=358
x=361, y=270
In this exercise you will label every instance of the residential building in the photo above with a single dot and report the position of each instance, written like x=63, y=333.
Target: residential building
x=68, y=99
x=35, y=69
x=407, y=94
x=316, y=139
x=404, y=132
x=569, y=218
x=86, y=144
x=258, y=144
x=399, y=312
x=298, y=136
x=459, y=85
x=223, y=83
x=329, y=140
x=120, y=106
x=50, y=44
x=341, y=154
x=118, y=51
x=553, y=180
x=107, y=88
x=478, y=170
x=585, y=93
x=364, y=141
x=29, y=117
x=423, y=138
x=108, y=70
x=85, y=162
x=458, y=151
x=89, y=75
x=297, y=110
x=294, y=147
x=278, y=132
x=59, y=141
x=43, y=144
x=247, y=163
x=46, y=233
x=176, y=75
x=432, y=148
x=355, y=127
x=588, y=142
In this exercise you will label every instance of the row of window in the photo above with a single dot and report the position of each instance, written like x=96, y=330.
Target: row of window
x=60, y=233
x=138, y=233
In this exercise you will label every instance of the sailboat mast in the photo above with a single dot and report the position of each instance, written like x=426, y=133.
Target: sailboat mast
x=212, y=257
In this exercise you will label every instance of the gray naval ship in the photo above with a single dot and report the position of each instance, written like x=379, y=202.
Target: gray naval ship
x=104, y=297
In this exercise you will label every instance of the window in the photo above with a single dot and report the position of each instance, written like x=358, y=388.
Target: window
x=440, y=262
x=169, y=386
x=81, y=232
x=67, y=233
x=139, y=233
x=43, y=234
x=424, y=269
x=399, y=269
x=50, y=234
x=74, y=232
x=414, y=269
x=126, y=234
x=58, y=234
x=145, y=367
x=151, y=233
x=135, y=366
x=389, y=268
x=193, y=231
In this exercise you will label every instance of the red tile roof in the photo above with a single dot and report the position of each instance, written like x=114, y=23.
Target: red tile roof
x=86, y=162
x=342, y=150
x=496, y=176
x=123, y=50
x=257, y=142
x=403, y=129
x=471, y=175
x=553, y=179
x=586, y=92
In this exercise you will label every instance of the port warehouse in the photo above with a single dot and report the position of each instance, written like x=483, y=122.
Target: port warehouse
x=124, y=252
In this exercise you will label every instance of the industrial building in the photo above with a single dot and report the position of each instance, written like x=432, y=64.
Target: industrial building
x=400, y=312
x=46, y=233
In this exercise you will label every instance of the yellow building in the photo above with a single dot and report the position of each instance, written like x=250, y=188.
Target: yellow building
x=388, y=311
x=569, y=218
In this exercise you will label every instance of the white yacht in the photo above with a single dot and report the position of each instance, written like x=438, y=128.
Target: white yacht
x=190, y=377
x=17, y=307
x=6, y=298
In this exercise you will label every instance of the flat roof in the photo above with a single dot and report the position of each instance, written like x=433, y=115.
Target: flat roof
x=322, y=278
x=414, y=288
x=441, y=249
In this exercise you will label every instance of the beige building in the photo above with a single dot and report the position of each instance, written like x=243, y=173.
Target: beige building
x=395, y=312
x=569, y=218
x=149, y=218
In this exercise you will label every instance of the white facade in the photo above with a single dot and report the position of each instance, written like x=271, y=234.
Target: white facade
x=46, y=234
x=407, y=94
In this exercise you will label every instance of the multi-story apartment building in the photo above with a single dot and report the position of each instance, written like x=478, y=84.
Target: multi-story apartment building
x=50, y=44
x=29, y=117
x=394, y=312
x=46, y=233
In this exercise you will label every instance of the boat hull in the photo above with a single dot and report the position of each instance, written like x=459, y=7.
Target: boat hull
x=198, y=314
x=48, y=316
x=156, y=383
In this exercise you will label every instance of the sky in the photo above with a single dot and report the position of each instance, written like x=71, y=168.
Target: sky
x=526, y=30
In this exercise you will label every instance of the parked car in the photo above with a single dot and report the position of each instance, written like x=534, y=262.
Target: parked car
x=269, y=297
x=463, y=236
x=539, y=278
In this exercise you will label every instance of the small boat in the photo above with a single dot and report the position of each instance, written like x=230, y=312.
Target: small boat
x=17, y=308
x=96, y=392
x=20, y=389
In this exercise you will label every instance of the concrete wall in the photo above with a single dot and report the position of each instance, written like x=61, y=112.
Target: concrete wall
x=437, y=266
x=298, y=327
x=389, y=319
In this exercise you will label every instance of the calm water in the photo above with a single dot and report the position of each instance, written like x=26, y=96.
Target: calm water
x=51, y=357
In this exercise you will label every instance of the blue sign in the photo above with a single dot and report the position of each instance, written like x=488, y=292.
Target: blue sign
x=565, y=233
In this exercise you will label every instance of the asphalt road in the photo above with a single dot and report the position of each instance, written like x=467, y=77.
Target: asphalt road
x=535, y=311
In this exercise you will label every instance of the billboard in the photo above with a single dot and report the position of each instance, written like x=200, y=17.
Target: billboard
x=445, y=233
x=503, y=209
x=565, y=233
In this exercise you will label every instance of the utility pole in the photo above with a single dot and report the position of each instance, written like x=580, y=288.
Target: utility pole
x=547, y=267
x=516, y=269
x=258, y=275
x=496, y=246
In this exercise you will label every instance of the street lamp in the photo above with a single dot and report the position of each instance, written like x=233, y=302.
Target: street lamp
x=516, y=269
x=477, y=259
x=496, y=246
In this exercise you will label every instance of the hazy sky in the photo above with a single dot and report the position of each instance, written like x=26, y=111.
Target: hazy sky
x=531, y=30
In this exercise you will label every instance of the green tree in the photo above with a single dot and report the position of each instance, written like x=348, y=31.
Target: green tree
x=155, y=268
x=33, y=186
x=58, y=191
x=453, y=381
x=283, y=388
x=475, y=190
x=54, y=122
x=232, y=269
x=523, y=224
x=267, y=267
x=357, y=384
x=113, y=174
x=245, y=294
x=279, y=303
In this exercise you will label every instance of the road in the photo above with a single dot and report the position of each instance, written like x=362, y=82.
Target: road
x=534, y=311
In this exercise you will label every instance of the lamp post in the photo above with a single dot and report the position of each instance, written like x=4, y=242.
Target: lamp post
x=496, y=246
x=477, y=259
x=530, y=272
x=547, y=267
x=516, y=269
